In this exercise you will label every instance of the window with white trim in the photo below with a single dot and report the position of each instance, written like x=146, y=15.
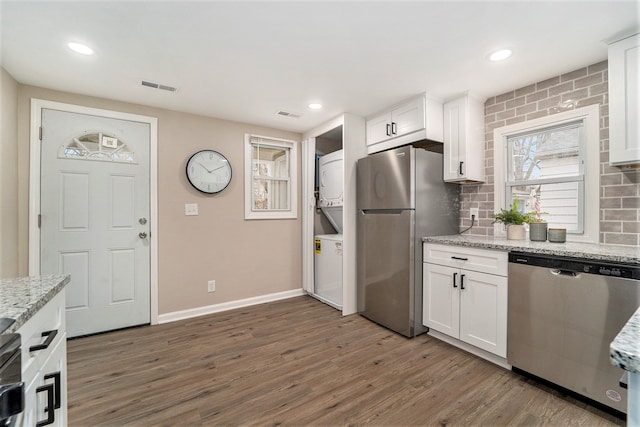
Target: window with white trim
x=270, y=178
x=551, y=164
x=545, y=171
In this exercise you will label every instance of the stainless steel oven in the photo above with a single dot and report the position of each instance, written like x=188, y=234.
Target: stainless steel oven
x=11, y=385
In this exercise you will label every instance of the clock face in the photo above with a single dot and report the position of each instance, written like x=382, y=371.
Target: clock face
x=209, y=171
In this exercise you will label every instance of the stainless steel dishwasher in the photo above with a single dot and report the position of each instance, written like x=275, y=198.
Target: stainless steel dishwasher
x=563, y=314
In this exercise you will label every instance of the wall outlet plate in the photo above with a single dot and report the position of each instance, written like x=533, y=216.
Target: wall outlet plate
x=473, y=213
x=211, y=286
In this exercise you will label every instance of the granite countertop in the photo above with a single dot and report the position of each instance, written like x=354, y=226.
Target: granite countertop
x=609, y=253
x=21, y=298
x=624, y=351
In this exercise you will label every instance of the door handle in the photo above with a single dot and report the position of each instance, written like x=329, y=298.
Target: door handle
x=47, y=342
x=49, y=409
x=454, y=280
x=461, y=163
x=394, y=128
x=388, y=129
x=142, y=235
x=462, y=281
x=57, y=391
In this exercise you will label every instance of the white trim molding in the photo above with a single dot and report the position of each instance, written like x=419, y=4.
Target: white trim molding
x=591, y=116
x=37, y=105
x=226, y=306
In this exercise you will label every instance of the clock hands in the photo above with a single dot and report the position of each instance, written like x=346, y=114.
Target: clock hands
x=212, y=170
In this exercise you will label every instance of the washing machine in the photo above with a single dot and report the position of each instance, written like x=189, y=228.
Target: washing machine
x=328, y=269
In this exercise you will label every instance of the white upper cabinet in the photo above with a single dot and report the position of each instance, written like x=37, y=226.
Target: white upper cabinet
x=624, y=97
x=414, y=120
x=464, y=140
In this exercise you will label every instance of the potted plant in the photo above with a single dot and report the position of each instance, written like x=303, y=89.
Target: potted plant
x=514, y=220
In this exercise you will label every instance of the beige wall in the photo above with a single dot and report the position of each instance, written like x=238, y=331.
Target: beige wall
x=619, y=211
x=8, y=176
x=246, y=258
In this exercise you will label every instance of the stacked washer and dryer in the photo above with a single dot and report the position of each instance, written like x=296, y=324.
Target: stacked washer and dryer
x=328, y=247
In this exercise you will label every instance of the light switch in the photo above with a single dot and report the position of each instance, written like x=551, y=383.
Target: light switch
x=191, y=209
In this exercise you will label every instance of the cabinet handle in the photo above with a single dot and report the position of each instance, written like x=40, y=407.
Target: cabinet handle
x=49, y=409
x=461, y=167
x=394, y=128
x=454, y=280
x=57, y=395
x=51, y=335
x=462, y=281
x=459, y=258
x=388, y=129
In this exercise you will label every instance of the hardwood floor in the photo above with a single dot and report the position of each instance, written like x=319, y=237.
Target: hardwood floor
x=298, y=362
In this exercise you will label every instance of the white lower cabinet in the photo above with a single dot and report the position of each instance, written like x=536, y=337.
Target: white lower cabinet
x=44, y=366
x=462, y=302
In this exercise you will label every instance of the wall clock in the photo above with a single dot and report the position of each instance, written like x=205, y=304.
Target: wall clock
x=208, y=171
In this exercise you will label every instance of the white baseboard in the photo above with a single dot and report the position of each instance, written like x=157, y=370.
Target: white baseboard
x=216, y=308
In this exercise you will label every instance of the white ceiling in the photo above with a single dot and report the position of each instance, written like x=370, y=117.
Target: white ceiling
x=246, y=60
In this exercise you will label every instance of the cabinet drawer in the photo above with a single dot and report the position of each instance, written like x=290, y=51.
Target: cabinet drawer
x=482, y=260
x=50, y=321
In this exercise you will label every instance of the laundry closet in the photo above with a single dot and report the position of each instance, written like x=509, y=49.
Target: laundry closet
x=329, y=156
x=328, y=218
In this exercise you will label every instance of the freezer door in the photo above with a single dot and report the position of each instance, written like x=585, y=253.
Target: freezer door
x=385, y=268
x=384, y=180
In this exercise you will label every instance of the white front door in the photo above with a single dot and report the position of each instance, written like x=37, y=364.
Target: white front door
x=94, y=206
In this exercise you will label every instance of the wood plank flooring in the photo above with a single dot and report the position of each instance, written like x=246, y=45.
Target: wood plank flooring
x=298, y=362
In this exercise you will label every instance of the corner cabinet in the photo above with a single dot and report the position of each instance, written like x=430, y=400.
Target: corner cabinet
x=413, y=120
x=44, y=365
x=464, y=140
x=465, y=297
x=624, y=100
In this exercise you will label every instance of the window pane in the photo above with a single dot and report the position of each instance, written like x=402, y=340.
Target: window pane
x=560, y=202
x=270, y=161
x=261, y=194
x=549, y=153
x=280, y=196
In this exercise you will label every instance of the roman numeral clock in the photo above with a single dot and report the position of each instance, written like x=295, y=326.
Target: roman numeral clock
x=208, y=171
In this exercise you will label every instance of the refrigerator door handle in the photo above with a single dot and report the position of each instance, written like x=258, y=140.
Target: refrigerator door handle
x=382, y=211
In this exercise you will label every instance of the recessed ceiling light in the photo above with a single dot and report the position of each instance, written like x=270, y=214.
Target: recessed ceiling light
x=80, y=48
x=499, y=55
x=315, y=106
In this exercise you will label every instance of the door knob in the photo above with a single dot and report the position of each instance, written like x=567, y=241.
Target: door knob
x=142, y=221
x=142, y=235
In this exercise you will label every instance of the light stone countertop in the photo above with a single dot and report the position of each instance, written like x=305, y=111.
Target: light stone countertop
x=624, y=351
x=22, y=297
x=609, y=253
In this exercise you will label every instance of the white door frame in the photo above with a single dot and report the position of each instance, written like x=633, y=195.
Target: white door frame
x=37, y=105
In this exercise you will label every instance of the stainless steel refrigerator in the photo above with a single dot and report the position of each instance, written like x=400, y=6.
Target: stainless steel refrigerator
x=401, y=198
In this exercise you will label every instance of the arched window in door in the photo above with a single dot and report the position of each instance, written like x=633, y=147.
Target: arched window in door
x=97, y=146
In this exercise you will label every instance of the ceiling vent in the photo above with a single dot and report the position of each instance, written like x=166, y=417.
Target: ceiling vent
x=158, y=86
x=287, y=114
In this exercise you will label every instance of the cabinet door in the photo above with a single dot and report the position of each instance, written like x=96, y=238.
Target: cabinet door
x=441, y=299
x=379, y=128
x=624, y=100
x=49, y=385
x=483, y=311
x=408, y=117
x=454, y=137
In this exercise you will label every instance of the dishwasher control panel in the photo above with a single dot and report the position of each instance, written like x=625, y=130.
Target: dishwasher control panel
x=577, y=265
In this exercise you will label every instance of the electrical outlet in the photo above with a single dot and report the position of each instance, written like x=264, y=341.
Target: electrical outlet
x=473, y=213
x=211, y=286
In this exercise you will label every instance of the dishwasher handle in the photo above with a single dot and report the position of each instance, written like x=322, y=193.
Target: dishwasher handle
x=565, y=273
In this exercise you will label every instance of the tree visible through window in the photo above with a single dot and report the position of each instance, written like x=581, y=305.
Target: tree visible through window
x=545, y=171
